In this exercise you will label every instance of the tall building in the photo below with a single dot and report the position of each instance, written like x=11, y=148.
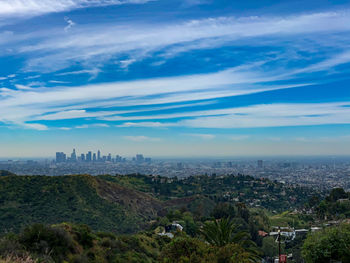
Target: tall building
x=89, y=156
x=260, y=163
x=94, y=157
x=73, y=156
x=99, y=156
x=139, y=158
x=82, y=157
x=109, y=157
x=60, y=157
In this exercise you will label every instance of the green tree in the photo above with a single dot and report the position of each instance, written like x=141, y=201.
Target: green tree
x=49, y=241
x=222, y=232
x=185, y=250
x=329, y=244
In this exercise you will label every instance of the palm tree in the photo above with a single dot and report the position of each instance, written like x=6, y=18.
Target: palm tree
x=220, y=233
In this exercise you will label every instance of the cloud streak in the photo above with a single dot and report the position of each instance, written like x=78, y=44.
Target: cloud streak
x=37, y=7
x=106, y=42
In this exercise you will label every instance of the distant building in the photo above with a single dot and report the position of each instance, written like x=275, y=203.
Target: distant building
x=139, y=158
x=73, y=156
x=82, y=157
x=260, y=164
x=99, y=156
x=89, y=156
x=94, y=157
x=60, y=157
x=118, y=158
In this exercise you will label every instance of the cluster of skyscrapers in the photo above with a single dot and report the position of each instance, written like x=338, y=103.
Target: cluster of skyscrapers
x=61, y=157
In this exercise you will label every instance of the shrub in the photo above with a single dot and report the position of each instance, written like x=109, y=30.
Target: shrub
x=46, y=240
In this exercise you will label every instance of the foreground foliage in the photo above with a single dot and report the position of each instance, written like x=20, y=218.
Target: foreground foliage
x=77, y=243
x=327, y=245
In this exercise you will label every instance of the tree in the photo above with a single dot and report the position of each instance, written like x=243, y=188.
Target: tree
x=222, y=232
x=329, y=244
x=336, y=194
x=184, y=249
x=223, y=210
x=46, y=240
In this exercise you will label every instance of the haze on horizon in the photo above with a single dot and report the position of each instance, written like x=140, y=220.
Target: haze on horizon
x=177, y=78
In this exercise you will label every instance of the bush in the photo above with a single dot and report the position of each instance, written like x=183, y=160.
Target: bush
x=185, y=249
x=327, y=245
x=46, y=240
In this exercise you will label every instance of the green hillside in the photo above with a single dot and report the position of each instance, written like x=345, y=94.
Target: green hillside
x=126, y=204
x=133, y=210
x=82, y=199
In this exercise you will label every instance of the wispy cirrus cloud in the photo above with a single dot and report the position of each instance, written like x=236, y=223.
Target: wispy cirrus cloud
x=255, y=116
x=93, y=125
x=38, y=7
x=56, y=103
x=126, y=44
x=60, y=103
x=276, y=115
x=149, y=124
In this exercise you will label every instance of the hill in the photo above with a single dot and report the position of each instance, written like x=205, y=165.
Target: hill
x=5, y=173
x=255, y=192
x=100, y=204
x=126, y=204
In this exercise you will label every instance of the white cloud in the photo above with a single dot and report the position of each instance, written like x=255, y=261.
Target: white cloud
x=94, y=125
x=71, y=114
x=58, y=103
x=38, y=7
x=35, y=126
x=142, y=138
x=276, y=115
x=59, y=82
x=70, y=23
x=143, y=124
x=39, y=103
x=190, y=3
x=269, y=115
x=100, y=43
x=93, y=72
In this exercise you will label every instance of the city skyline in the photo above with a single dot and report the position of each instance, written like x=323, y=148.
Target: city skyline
x=176, y=78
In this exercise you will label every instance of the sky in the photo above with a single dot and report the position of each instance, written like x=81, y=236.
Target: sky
x=175, y=78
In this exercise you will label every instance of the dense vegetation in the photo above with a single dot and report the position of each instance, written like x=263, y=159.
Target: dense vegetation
x=259, y=192
x=336, y=205
x=5, y=173
x=124, y=204
x=81, y=199
x=327, y=245
x=77, y=243
x=223, y=219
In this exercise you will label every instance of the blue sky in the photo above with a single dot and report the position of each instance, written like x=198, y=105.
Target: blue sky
x=175, y=77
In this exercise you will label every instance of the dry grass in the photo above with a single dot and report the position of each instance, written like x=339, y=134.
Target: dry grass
x=16, y=259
